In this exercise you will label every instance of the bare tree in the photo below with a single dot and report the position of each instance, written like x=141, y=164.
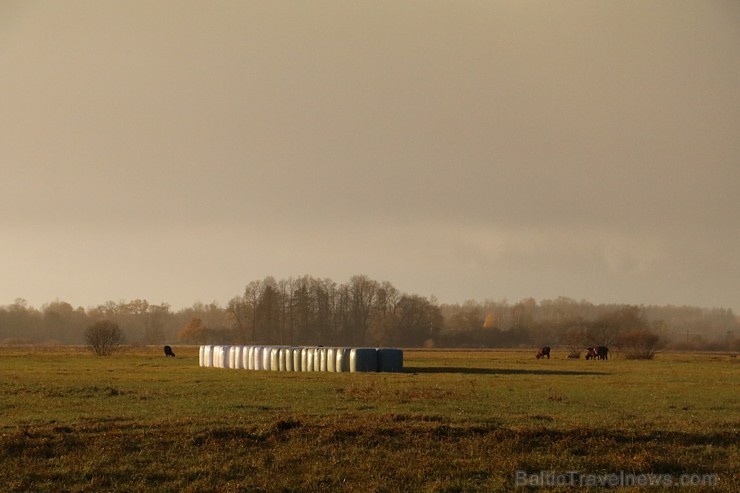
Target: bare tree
x=104, y=337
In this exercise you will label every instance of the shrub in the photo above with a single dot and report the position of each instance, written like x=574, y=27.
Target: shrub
x=639, y=344
x=104, y=337
x=575, y=339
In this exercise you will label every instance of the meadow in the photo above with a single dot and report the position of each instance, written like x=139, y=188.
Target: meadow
x=452, y=421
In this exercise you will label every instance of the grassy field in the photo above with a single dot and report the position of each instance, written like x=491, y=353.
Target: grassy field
x=453, y=421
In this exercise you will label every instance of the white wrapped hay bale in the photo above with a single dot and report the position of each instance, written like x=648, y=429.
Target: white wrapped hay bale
x=250, y=358
x=342, y=359
x=257, y=355
x=240, y=358
x=363, y=359
x=275, y=359
x=322, y=358
x=296, y=359
x=331, y=359
x=216, y=356
x=267, y=358
x=310, y=356
x=390, y=360
x=221, y=358
x=286, y=359
x=245, y=357
x=201, y=356
x=208, y=357
x=235, y=357
x=232, y=353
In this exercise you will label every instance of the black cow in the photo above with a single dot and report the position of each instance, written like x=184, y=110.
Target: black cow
x=543, y=351
x=168, y=352
x=602, y=352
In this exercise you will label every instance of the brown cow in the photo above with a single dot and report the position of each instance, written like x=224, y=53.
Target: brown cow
x=543, y=351
x=590, y=353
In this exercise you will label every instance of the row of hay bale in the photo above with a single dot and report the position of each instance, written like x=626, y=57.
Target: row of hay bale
x=291, y=358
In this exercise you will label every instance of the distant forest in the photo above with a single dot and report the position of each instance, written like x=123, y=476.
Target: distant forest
x=365, y=312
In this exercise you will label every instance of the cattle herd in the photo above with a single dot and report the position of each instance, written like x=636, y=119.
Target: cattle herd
x=593, y=352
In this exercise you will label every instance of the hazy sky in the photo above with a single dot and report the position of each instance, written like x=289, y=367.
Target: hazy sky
x=177, y=150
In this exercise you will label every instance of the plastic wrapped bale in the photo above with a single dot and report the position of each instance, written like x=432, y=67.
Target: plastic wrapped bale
x=296, y=359
x=322, y=358
x=222, y=357
x=202, y=355
x=216, y=353
x=286, y=359
x=363, y=359
x=250, y=358
x=231, y=357
x=208, y=357
x=235, y=357
x=342, y=359
x=257, y=358
x=240, y=357
x=275, y=359
x=257, y=355
x=310, y=356
x=245, y=357
x=331, y=359
x=390, y=360
x=225, y=357
x=267, y=358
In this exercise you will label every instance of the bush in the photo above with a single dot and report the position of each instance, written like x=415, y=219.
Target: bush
x=639, y=344
x=575, y=339
x=104, y=337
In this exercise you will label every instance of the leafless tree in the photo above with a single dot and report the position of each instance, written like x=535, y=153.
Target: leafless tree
x=104, y=337
x=575, y=340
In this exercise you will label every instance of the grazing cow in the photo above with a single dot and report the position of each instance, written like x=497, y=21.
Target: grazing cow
x=168, y=352
x=602, y=352
x=543, y=351
x=590, y=353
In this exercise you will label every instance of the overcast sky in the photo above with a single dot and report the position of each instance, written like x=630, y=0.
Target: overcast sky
x=177, y=150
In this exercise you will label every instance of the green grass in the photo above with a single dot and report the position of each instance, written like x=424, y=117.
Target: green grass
x=454, y=421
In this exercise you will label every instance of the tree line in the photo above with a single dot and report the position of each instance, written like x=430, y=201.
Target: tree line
x=365, y=312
